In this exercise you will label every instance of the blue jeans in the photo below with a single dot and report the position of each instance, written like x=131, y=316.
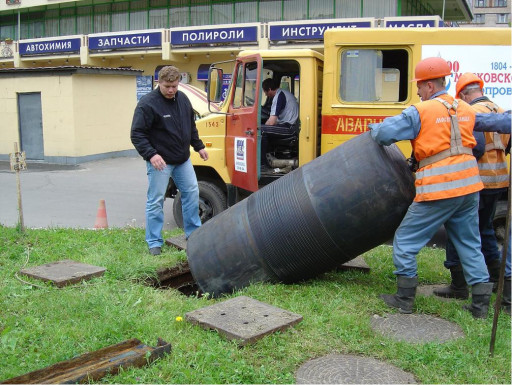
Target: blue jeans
x=186, y=181
x=460, y=218
x=486, y=211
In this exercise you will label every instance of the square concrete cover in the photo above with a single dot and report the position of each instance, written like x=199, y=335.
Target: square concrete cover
x=243, y=319
x=178, y=241
x=64, y=272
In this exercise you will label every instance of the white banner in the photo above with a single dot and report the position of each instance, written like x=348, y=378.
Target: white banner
x=492, y=64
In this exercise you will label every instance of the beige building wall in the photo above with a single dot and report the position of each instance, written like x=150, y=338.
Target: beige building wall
x=102, y=109
x=85, y=116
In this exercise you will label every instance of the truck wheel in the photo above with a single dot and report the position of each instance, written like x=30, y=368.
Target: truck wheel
x=211, y=202
x=500, y=222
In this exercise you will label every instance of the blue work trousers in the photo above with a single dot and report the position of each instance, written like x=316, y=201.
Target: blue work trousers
x=490, y=250
x=460, y=218
x=186, y=181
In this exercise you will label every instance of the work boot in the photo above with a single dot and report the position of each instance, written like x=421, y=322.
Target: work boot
x=505, y=300
x=458, y=288
x=480, y=297
x=493, y=268
x=404, y=297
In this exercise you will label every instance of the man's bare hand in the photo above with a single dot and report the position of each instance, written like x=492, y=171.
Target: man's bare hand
x=203, y=154
x=158, y=162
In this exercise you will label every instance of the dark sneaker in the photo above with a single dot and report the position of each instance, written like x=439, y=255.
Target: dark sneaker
x=155, y=250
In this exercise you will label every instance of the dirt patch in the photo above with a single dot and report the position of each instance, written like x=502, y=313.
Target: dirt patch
x=176, y=277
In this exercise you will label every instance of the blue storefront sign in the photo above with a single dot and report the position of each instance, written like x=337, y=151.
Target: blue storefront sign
x=214, y=35
x=413, y=22
x=42, y=47
x=311, y=31
x=123, y=41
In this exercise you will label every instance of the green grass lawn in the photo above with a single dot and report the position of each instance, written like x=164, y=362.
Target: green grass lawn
x=41, y=324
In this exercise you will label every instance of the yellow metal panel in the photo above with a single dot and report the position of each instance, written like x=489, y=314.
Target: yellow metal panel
x=341, y=120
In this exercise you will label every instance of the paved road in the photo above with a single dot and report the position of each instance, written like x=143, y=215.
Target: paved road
x=68, y=196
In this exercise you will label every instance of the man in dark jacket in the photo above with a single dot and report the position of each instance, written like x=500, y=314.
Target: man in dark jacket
x=163, y=129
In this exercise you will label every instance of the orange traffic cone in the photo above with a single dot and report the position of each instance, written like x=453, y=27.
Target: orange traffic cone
x=101, y=217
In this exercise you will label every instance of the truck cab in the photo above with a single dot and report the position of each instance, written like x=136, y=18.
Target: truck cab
x=232, y=135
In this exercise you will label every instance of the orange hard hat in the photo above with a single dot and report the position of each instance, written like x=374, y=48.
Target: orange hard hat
x=431, y=68
x=465, y=79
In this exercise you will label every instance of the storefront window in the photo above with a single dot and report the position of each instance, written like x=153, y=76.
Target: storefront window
x=246, y=12
x=179, y=13
x=84, y=20
x=270, y=10
x=199, y=12
x=138, y=15
x=321, y=9
x=102, y=18
x=32, y=25
x=120, y=17
x=158, y=18
x=379, y=8
x=348, y=8
x=67, y=21
x=7, y=26
x=296, y=9
x=51, y=22
x=222, y=13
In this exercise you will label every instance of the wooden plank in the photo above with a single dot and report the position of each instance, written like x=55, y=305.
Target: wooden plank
x=97, y=364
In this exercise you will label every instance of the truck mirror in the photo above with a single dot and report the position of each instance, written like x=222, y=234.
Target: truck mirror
x=215, y=76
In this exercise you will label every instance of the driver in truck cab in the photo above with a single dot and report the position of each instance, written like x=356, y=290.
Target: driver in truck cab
x=284, y=114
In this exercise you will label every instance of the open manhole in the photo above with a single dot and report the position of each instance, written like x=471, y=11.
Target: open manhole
x=176, y=277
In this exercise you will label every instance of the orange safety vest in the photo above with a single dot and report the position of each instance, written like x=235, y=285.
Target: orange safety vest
x=447, y=167
x=493, y=163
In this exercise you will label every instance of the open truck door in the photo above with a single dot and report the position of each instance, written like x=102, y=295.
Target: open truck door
x=242, y=120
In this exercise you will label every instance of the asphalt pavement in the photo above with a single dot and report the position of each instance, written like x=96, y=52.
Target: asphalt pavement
x=56, y=196
x=69, y=196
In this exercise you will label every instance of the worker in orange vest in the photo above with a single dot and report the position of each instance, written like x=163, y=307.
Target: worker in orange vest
x=494, y=174
x=447, y=184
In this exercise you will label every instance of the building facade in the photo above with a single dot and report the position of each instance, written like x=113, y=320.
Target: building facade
x=39, y=36
x=23, y=19
x=489, y=13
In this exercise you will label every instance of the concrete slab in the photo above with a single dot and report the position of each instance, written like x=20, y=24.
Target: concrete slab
x=243, y=319
x=350, y=369
x=178, y=241
x=416, y=328
x=65, y=272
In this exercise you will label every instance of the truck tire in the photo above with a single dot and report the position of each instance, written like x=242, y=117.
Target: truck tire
x=212, y=201
x=500, y=222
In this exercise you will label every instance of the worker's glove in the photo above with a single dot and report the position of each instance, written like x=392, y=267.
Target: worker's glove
x=413, y=164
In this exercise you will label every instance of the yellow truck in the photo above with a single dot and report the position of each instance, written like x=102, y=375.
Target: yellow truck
x=363, y=76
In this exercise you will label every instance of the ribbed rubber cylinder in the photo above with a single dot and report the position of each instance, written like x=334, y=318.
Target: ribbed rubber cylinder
x=310, y=221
